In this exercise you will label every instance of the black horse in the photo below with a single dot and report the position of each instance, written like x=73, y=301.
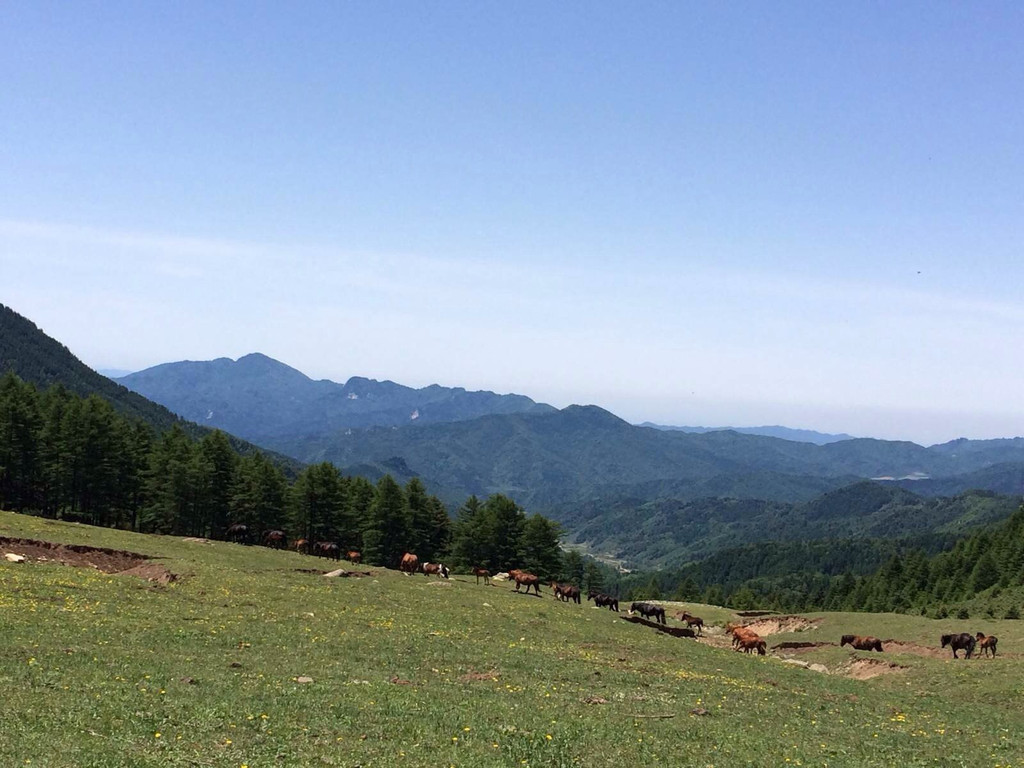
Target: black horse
x=238, y=533
x=962, y=642
x=602, y=600
x=649, y=609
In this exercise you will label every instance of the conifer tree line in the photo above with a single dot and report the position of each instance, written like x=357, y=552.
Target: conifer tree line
x=67, y=457
x=976, y=569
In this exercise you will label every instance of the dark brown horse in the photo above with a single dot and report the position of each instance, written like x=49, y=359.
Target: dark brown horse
x=961, y=642
x=692, y=621
x=275, y=539
x=482, y=573
x=649, y=609
x=328, y=549
x=525, y=578
x=238, y=533
x=354, y=557
x=566, y=592
x=865, y=643
x=987, y=643
x=602, y=600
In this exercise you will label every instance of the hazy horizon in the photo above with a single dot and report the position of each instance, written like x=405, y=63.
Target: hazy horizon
x=691, y=215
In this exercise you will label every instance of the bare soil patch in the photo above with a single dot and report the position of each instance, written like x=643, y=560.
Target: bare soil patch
x=80, y=556
x=792, y=645
x=898, y=646
x=471, y=677
x=777, y=625
x=865, y=669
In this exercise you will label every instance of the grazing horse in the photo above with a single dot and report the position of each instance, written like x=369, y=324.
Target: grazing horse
x=649, y=609
x=482, y=573
x=409, y=563
x=275, y=539
x=566, y=592
x=354, y=557
x=865, y=643
x=525, y=578
x=752, y=644
x=302, y=546
x=437, y=569
x=961, y=642
x=693, y=621
x=987, y=644
x=238, y=533
x=740, y=634
x=602, y=600
x=328, y=549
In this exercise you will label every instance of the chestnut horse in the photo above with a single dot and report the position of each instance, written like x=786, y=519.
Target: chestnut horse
x=865, y=643
x=566, y=592
x=302, y=546
x=409, y=563
x=525, y=578
x=482, y=573
x=987, y=643
x=752, y=644
x=354, y=557
x=275, y=539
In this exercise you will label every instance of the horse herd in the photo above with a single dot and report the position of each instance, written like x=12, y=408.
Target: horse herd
x=743, y=637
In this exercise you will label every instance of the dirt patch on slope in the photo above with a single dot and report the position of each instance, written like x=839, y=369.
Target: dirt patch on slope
x=777, y=625
x=80, y=556
x=865, y=669
x=898, y=646
x=799, y=647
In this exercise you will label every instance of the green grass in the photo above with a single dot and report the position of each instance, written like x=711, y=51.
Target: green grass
x=100, y=670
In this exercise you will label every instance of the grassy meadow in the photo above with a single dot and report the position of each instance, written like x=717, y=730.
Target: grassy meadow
x=110, y=670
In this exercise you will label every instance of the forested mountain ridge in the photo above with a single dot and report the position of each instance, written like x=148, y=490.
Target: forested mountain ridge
x=669, y=532
x=42, y=361
x=784, y=433
x=261, y=399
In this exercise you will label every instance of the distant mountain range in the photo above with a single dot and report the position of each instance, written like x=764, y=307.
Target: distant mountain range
x=651, y=496
x=261, y=399
x=783, y=433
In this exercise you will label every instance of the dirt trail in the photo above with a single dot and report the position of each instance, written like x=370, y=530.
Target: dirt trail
x=80, y=556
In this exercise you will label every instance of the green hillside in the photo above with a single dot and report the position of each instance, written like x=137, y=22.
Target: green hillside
x=250, y=658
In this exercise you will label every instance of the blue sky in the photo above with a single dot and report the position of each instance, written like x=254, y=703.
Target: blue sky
x=796, y=213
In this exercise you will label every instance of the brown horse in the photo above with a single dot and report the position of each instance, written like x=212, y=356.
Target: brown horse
x=237, y=533
x=482, y=573
x=437, y=569
x=328, y=549
x=987, y=643
x=693, y=621
x=409, y=563
x=566, y=592
x=865, y=643
x=752, y=644
x=354, y=557
x=275, y=539
x=740, y=633
x=525, y=578
x=302, y=546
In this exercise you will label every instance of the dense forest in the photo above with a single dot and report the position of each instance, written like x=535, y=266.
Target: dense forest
x=76, y=458
x=926, y=575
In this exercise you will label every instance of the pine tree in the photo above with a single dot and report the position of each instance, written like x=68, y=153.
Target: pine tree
x=387, y=535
